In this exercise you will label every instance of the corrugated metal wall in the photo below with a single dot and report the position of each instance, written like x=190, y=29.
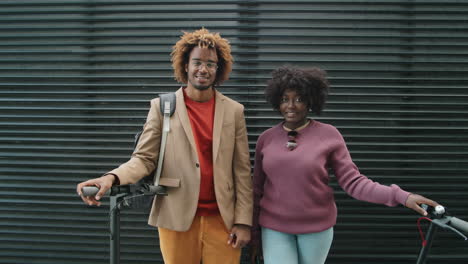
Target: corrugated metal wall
x=77, y=76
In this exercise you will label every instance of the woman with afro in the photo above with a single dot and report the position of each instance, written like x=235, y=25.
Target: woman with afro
x=294, y=207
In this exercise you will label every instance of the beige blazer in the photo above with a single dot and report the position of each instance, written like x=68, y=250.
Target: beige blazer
x=181, y=172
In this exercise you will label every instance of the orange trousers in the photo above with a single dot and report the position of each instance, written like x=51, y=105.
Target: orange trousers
x=205, y=242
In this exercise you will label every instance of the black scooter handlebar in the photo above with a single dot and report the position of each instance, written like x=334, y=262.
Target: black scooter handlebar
x=459, y=224
x=91, y=191
x=126, y=189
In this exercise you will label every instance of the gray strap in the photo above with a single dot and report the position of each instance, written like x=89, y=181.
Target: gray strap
x=166, y=128
x=168, y=97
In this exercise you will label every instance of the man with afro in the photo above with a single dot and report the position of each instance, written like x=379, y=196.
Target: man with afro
x=207, y=214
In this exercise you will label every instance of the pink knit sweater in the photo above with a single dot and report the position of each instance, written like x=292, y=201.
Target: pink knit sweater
x=291, y=191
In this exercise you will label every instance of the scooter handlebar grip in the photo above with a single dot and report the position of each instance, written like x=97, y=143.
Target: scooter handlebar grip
x=89, y=191
x=459, y=224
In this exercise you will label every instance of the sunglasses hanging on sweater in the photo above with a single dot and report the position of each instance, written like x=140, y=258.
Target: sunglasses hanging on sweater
x=292, y=144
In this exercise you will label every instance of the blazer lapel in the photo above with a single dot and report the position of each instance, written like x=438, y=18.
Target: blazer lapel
x=218, y=123
x=182, y=113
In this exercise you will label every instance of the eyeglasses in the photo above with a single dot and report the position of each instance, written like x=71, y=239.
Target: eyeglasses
x=292, y=144
x=212, y=66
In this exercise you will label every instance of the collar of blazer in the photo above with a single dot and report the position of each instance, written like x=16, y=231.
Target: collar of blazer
x=181, y=111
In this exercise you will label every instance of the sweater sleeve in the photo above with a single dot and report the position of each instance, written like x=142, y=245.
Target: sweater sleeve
x=357, y=185
x=258, y=182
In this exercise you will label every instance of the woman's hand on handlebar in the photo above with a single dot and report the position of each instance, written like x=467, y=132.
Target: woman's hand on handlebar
x=104, y=183
x=414, y=202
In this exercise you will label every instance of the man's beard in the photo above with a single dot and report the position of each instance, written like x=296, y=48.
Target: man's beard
x=202, y=87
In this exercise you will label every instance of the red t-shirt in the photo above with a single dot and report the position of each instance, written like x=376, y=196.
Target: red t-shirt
x=201, y=115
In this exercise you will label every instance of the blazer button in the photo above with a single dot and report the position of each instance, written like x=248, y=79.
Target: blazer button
x=198, y=165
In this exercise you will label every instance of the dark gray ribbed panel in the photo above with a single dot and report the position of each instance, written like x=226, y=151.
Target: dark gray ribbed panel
x=76, y=78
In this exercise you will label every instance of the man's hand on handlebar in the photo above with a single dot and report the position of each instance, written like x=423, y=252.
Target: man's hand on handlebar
x=104, y=183
x=414, y=202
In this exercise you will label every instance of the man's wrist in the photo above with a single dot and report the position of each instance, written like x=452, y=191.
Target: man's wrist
x=115, y=178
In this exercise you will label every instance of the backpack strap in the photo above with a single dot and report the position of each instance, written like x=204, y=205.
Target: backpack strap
x=168, y=97
x=167, y=107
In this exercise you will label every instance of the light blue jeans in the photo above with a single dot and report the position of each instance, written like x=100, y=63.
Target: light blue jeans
x=281, y=248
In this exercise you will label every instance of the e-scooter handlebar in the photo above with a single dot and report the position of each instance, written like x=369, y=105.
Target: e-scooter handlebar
x=114, y=190
x=440, y=217
x=91, y=191
x=126, y=189
x=459, y=224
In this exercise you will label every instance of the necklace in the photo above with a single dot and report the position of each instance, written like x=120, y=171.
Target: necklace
x=292, y=135
x=297, y=129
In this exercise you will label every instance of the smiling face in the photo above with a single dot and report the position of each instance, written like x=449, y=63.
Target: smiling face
x=294, y=109
x=201, y=68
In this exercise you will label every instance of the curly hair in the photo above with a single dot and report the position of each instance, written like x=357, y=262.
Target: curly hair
x=204, y=39
x=311, y=84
